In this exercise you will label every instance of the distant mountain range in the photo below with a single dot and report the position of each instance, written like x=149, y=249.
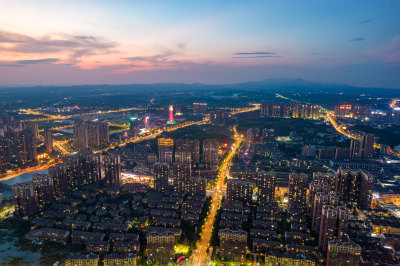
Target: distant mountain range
x=281, y=84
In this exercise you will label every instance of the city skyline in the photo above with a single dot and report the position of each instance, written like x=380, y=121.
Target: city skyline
x=66, y=43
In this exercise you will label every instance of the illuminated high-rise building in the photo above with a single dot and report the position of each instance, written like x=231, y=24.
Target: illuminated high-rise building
x=321, y=199
x=298, y=183
x=252, y=136
x=146, y=121
x=182, y=174
x=367, y=145
x=199, y=108
x=305, y=111
x=48, y=141
x=334, y=223
x=24, y=199
x=171, y=120
x=355, y=187
x=165, y=150
x=314, y=188
x=183, y=156
x=161, y=174
x=273, y=110
x=76, y=170
x=197, y=186
x=112, y=170
x=327, y=227
x=212, y=117
x=90, y=134
x=239, y=190
x=187, y=150
x=133, y=126
x=266, y=184
x=18, y=148
x=43, y=189
x=210, y=151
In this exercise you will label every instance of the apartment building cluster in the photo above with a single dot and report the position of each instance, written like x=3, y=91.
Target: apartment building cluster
x=84, y=168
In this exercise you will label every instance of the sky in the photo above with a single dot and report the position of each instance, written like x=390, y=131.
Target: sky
x=71, y=42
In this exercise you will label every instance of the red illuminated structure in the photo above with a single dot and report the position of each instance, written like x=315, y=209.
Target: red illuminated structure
x=171, y=120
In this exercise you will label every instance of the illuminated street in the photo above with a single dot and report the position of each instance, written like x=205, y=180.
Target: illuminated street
x=199, y=256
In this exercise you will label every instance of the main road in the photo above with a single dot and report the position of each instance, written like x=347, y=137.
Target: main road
x=342, y=129
x=59, y=144
x=199, y=256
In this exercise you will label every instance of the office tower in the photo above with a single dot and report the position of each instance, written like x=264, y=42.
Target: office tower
x=182, y=174
x=309, y=151
x=233, y=244
x=212, y=117
x=342, y=153
x=165, y=150
x=48, y=141
x=171, y=120
x=298, y=184
x=210, y=151
x=161, y=174
x=367, y=145
x=43, y=189
x=252, y=136
x=187, y=150
x=112, y=170
x=343, y=253
x=90, y=134
x=199, y=108
x=266, y=184
x=160, y=247
x=24, y=199
x=239, y=190
x=197, y=186
x=76, y=170
x=355, y=187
